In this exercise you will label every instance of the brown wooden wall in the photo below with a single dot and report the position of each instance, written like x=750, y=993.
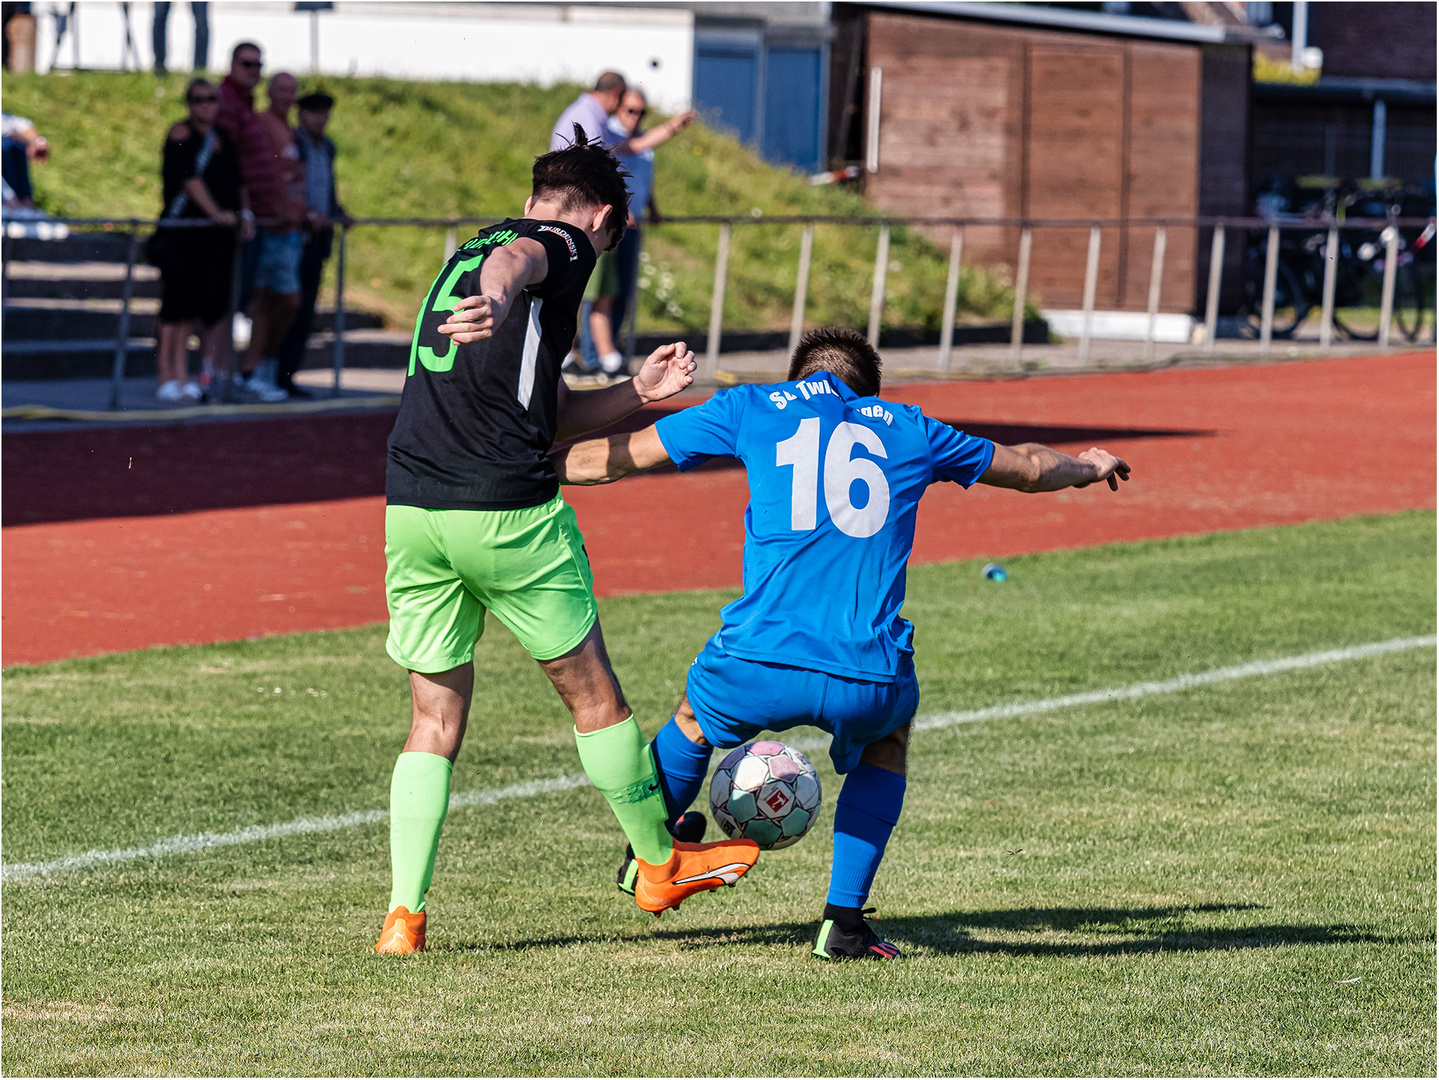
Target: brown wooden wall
x=984, y=120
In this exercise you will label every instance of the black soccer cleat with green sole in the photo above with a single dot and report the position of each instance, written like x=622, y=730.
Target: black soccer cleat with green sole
x=854, y=941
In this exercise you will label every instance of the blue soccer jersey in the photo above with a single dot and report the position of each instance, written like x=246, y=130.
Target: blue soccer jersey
x=835, y=480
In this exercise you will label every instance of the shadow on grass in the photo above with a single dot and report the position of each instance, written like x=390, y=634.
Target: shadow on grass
x=1111, y=931
x=1017, y=932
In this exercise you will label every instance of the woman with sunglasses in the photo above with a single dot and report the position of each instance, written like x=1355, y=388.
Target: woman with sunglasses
x=201, y=172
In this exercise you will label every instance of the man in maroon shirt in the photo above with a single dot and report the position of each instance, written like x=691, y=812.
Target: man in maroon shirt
x=259, y=165
x=237, y=119
x=277, y=272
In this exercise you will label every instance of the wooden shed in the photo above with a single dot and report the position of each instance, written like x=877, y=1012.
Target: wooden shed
x=1017, y=111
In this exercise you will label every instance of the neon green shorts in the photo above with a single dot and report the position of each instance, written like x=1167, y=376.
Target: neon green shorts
x=445, y=568
x=605, y=278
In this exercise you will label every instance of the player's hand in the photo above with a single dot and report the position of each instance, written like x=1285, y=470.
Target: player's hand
x=666, y=371
x=475, y=318
x=1109, y=467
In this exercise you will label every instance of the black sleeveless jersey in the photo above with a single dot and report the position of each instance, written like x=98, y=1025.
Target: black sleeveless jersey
x=477, y=421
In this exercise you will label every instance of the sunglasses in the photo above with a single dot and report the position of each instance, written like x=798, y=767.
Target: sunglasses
x=248, y=64
x=636, y=112
x=207, y=99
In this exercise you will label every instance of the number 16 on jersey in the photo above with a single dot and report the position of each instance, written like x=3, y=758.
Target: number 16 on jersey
x=842, y=469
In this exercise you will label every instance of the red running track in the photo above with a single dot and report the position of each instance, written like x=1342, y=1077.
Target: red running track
x=1211, y=448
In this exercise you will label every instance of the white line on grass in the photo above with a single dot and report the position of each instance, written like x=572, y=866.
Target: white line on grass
x=186, y=845
x=1179, y=682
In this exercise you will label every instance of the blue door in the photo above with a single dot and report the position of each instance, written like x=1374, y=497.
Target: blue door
x=726, y=75
x=792, y=106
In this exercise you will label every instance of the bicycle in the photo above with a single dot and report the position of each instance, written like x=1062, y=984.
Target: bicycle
x=1359, y=271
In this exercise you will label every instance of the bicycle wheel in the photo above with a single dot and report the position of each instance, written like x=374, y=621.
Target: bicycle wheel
x=1290, y=306
x=1353, y=277
x=1408, y=302
x=1408, y=308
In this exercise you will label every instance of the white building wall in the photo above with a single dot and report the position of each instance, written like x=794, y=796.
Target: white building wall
x=651, y=46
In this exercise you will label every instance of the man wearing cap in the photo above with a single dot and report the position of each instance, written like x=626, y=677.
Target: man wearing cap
x=323, y=210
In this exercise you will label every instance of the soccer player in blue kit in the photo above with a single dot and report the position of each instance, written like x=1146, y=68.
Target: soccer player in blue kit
x=835, y=477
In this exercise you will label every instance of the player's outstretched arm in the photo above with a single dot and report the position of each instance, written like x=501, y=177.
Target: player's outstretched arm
x=503, y=274
x=666, y=371
x=603, y=461
x=1033, y=467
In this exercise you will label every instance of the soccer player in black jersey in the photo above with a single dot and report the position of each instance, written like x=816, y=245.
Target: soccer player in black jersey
x=474, y=521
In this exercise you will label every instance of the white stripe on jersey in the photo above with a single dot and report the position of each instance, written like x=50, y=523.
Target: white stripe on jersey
x=532, y=351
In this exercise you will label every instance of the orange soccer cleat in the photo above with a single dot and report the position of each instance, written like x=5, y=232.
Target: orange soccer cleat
x=402, y=933
x=693, y=868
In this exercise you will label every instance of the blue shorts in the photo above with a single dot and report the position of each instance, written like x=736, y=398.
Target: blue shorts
x=279, y=267
x=734, y=700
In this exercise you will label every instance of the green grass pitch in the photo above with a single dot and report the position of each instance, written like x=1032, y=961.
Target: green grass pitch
x=1234, y=879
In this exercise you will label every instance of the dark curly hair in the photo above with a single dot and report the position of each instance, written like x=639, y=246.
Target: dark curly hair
x=584, y=174
x=846, y=354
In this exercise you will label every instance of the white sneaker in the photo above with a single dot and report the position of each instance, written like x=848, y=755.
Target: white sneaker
x=170, y=391
x=612, y=364
x=267, y=392
x=191, y=391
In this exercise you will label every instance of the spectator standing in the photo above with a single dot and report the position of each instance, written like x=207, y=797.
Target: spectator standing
x=158, y=37
x=634, y=148
x=640, y=165
x=239, y=120
x=22, y=145
x=201, y=174
x=282, y=244
x=317, y=155
x=591, y=110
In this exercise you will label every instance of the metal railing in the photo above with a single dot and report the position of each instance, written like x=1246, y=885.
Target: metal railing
x=1385, y=229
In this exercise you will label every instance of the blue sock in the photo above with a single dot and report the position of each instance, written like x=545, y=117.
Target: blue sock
x=680, y=766
x=864, y=816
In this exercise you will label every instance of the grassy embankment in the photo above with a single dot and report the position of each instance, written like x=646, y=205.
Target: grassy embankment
x=445, y=149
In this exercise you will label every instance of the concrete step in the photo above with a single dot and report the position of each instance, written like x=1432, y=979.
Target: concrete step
x=363, y=349
x=77, y=281
x=354, y=320
x=41, y=361
x=64, y=320
x=93, y=358
x=77, y=247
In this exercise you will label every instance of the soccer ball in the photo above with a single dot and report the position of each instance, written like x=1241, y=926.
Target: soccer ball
x=766, y=792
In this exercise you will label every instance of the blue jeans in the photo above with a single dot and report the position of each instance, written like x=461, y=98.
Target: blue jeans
x=278, y=268
x=627, y=256
x=16, y=168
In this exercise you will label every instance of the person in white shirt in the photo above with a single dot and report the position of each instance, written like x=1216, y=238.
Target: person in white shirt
x=612, y=283
x=591, y=110
x=641, y=169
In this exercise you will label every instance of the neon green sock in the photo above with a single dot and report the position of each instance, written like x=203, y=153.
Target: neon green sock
x=419, y=798
x=618, y=762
